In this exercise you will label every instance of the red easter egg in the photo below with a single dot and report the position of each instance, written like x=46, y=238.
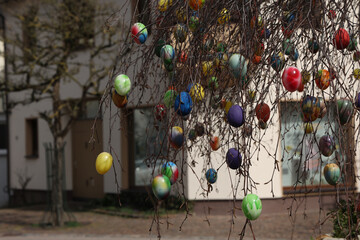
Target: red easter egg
x=256, y=59
x=291, y=79
x=262, y=111
x=215, y=143
x=332, y=14
x=341, y=39
x=160, y=112
x=183, y=57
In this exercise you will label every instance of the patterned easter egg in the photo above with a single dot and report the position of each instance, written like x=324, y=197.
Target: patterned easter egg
x=197, y=92
x=183, y=104
x=323, y=109
x=167, y=54
x=233, y=158
x=215, y=143
x=103, y=162
x=224, y=16
x=194, y=22
x=235, y=116
x=170, y=170
x=139, y=33
x=213, y=83
x=322, y=79
x=176, y=137
x=169, y=98
x=353, y=43
x=238, y=65
x=160, y=112
x=288, y=46
x=211, y=175
x=277, y=61
x=305, y=76
x=345, y=110
x=207, y=68
x=118, y=100
x=356, y=73
x=341, y=39
x=332, y=173
x=291, y=79
x=251, y=206
x=163, y=5
x=180, y=32
x=161, y=187
x=122, y=84
x=310, y=108
x=192, y=134
x=326, y=145
x=196, y=4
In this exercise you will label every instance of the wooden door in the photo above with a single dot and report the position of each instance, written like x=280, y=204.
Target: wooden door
x=87, y=183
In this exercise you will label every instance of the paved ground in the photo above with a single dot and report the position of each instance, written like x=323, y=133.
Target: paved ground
x=23, y=223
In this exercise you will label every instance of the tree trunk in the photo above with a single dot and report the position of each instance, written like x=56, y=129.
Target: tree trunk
x=57, y=209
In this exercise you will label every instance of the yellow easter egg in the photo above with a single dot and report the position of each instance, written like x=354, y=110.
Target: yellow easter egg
x=224, y=16
x=103, y=162
x=228, y=105
x=207, y=68
x=357, y=73
x=163, y=5
x=197, y=92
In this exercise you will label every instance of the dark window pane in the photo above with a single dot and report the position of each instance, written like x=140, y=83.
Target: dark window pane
x=3, y=138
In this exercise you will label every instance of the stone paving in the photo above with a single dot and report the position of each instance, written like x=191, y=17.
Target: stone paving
x=22, y=223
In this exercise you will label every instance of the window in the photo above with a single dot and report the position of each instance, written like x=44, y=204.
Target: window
x=302, y=163
x=3, y=134
x=147, y=142
x=29, y=21
x=77, y=24
x=32, y=140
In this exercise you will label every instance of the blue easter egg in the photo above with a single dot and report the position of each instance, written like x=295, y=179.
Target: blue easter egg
x=183, y=104
x=211, y=175
x=235, y=116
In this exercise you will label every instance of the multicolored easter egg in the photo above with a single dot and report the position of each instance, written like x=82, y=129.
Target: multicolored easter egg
x=235, y=116
x=122, y=84
x=277, y=61
x=197, y=92
x=170, y=170
x=323, y=109
x=207, y=68
x=322, y=79
x=183, y=57
x=305, y=76
x=103, y=162
x=158, y=46
x=139, y=33
x=196, y=4
x=251, y=206
x=224, y=16
x=262, y=112
x=192, y=134
x=310, y=108
x=169, y=98
x=332, y=173
x=345, y=110
x=238, y=65
x=194, y=22
x=341, y=39
x=313, y=46
x=160, y=112
x=161, y=187
x=213, y=83
x=332, y=14
x=176, y=137
x=163, y=5
x=233, y=158
x=291, y=79
x=353, y=43
x=215, y=143
x=118, y=100
x=183, y=104
x=211, y=175
x=181, y=14
x=294, y=55
x=287, y=46
x=167, y=54
x=326, y=145
x=180, y=32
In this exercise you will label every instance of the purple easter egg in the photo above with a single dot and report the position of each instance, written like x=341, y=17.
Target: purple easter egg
x=233, y=158
x=326, y=145
x=357, y=101
x=235, y=116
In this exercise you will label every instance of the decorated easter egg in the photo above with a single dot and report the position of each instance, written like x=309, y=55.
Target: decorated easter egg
x=345, y=110
x=326, y=145
x=139, y=33
x=215, y=143
x=196, y=4
x=169, y=98
x=194, y=22
x=224, y=16
x=200, y=130
x=192, y=134
x=163, y=5
x=211, y=175
x=265, y=33
x=183, y=57
x=311, y=108
x=221, y=47
x=262, y=111
x=183, y=104
x=118, y=100
x=213, y=83
x=158, y=46
x=197, y=92
x=161, y=187
x=167, y=54
x=251, y=206
x=356, y=73
x=180, y=32
x=181, y=14
x=323, y=109
x=103, y=162
x=251, y=95
x=356, y=56
x=308, y=128
x=305, y=76
x=332, y=173
x=291, y=79
x=341, y=39
x=357, y=101
x=313, y=46
x=332, y=14
x=238, y=65
x=294, y=55
x=322, y=79
x=176, y=137
x=353, y=43
x=160, y=112
x=277, y=61
x=221, y=60
x=288, y=46
x=207, y=68
x=233, y=158
x=235, y=116
x=122, y=84
x=256, y=59
x=170, y=170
